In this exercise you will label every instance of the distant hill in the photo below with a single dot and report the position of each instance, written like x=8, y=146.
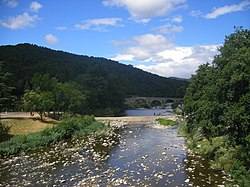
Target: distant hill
x=177, y=78
x=24, y=60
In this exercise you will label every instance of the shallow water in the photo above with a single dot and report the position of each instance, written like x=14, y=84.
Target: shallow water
x=136, y=156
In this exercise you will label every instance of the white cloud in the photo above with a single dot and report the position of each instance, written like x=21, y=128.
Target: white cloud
x=146, y=9
x=10, y=3
x=35, y=6
x=51, y=39
x=195, y=13
x=157, y=54
x=20, y=21
x=169, y=29
x=143, y=47
x=181, y=61
x=98, y=24
x=177, y=19
x=228, y=9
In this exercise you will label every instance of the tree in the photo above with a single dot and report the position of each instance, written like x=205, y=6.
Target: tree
x=6, y=97
x=40, y=102
x=217, y=102
x=217, y=98
x=74, y=99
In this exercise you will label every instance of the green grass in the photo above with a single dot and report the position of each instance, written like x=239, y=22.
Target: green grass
x=27, y=125
x=67, y=128
x=166, y=122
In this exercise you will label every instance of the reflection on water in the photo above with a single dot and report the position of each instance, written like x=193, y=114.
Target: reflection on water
x=133, y=156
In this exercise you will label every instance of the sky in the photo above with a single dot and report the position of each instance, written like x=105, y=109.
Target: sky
x=170, y=38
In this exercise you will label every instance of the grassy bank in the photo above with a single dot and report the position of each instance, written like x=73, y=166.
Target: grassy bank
x=27, y=125
x=223, y=155
x=166, y=122
x=67, y=128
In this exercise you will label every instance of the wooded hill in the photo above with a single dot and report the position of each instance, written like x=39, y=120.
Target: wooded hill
x=112, y=80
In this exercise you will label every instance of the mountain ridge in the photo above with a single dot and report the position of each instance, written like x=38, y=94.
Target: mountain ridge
x=24, y=60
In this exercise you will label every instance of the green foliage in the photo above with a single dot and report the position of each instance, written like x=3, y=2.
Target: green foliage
x=217, y=101
x=240, y=172
x=37, y=101
x=209, y=148
x=6, y=91
x=4, y=129
x=81, y=84
x=166, y=122
x=92, y=128
x=182, y=129
x=67, y=128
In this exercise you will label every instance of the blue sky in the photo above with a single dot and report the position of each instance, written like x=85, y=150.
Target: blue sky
x=165, y=37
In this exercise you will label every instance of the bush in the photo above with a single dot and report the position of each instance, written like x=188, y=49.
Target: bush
x=69, y=127
x=182, y=130
x=241, y=174
x=4, y=129
x=94, y=127
x=223, y=155
x=166, y=122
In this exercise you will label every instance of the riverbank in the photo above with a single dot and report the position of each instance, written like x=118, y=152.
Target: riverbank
x=141, y=152
x=69, y=127
x=134, y=120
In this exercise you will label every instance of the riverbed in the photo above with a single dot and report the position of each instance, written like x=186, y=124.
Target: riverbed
x=131, y=155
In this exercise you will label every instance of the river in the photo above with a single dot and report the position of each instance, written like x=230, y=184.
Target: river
x=134, y=155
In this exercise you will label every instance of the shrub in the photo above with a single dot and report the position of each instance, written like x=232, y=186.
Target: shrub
x=94, y=127
x=4, y=129
x=241, y=174
x=166, y=122
x=69, y=127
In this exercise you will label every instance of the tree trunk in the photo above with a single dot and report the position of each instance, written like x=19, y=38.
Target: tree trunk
x=41, y=115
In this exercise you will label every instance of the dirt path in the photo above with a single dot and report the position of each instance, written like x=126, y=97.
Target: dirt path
x=12, y=115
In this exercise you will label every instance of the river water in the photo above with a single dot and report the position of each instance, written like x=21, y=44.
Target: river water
x=135, y=155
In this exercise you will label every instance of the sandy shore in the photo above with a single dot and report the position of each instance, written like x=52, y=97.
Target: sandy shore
x=113, y=120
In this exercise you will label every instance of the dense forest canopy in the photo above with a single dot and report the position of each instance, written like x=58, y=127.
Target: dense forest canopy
x=103, y=83
x=217, y=103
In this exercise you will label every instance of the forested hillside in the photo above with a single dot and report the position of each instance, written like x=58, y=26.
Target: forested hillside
x=217, y=106
x=104, y=83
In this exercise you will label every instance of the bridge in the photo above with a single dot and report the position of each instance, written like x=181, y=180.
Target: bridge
x=150, y=101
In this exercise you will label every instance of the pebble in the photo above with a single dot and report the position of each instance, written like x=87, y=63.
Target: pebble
x=147, y=169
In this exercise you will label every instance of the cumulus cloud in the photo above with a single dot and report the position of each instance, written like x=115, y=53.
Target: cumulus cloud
x=228, y=9
x=181, y=61
x=35, y=6
x=51, y=39
x=146, y=9
x=20, y=21
x=142, y=47
x=98, y=24
x=10, y=3
x=157, y=54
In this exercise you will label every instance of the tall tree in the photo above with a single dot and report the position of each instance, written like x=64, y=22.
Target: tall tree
x=217, y=98
x=6, y=97
x=36, y=101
